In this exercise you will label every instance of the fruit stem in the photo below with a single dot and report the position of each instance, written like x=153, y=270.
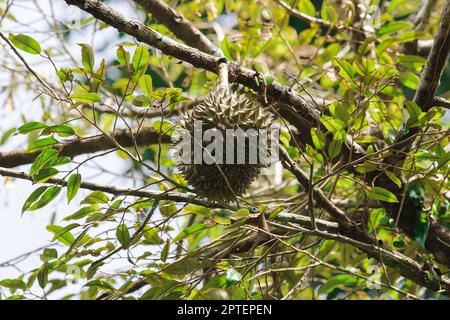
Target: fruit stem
x=223, y=76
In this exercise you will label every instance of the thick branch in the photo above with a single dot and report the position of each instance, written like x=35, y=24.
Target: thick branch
x=172, y=196
x=179, y=25
x=329, y=230
x=406, y=211
x=199, y=59
x=112, y=189
x=359, y=238
x=144, y=136
x=441, y=102
x=242, y=75
x=237, y=73
x=432, y=72
x=321, y=199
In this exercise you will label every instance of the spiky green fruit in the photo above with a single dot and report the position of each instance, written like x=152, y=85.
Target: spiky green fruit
x=222, y=182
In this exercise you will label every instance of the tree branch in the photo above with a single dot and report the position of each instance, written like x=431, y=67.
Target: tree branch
x=179, y=25
x=438, y=238
x=349, y=232
x=242, y=75
x=310, y=19
x=432, y=71
x=145, y=136
x=148, y=114
x=172, y=196
x=113, y=189
x=323, y=201
x=328, y=230
x=441, y=102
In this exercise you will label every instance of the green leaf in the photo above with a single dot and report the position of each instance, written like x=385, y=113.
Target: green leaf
x=381, y=194
x=341, y=112
x=81, y=237
x=43, y=277
x=140, y=59
x=167, y=208
x=328, y=12
x=99, y=76
x=285, y=138
x=62, y=235
x=86, y=97
x=241, y=213
x=65, y=74
x=49, y=254
x=318, y=138
x=50, y=194
x=100, y=284
x=394, y=178
x=411, y=61
x=16, y=297
x=61, y=129
x=25, y=43
x=13, y=284
x=421, y=233
x=409, y=80
x=45, y=174
x=334, y=149
x=228, y=49
x=87, y=56
x=313, y=153
x=81, y=213
x=233, y=277
x=6, y=135
x=164, y=127
x=414, y=112
x=332, y=125
x=41, y=144
x=346, y=69
x=63, y=231
x=307, y=7
x=393, y=27
x=33, y=197
x=269, y=79
x=340, y=136
x=61, y=161
x=195, y=209
x=123, y=56
x=152, y=236
x=45, y=157
x=96, y=197
x=189, y=230
x=31, y=126
x=201, y=78
x=184, y=266
x=339, y=281
x=142, y=101
x=123, y=235
x=146, y=83
x=366, y=139
x=426, y=156
x=165, y=251
x=73, y=184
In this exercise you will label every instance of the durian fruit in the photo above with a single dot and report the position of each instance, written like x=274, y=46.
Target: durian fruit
x=231, y=110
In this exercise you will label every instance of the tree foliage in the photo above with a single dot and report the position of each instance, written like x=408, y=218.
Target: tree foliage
x=357, y=208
